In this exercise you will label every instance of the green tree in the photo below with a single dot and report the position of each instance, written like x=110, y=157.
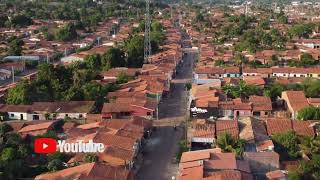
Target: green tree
x=135, y=48
x=93, y=91
x=123, y=78
x=309, y=113
x=15, y=48
x=114, y=57
x=4, y=128
x=19, y=94
x=90, y=158
x=219, y=63
x=8, y=154
x=310, y=145
x=93, y=62
x=21, y=21
x=228, y=144
x=286, y=144
x=301, y=30
x=66, y=33
x=55, y=165
x=307, y=60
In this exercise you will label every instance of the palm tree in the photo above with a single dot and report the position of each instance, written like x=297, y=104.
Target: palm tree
x=228, y=144
x=310, y=145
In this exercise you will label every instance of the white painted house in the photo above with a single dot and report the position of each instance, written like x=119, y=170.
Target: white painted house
x=56, y=110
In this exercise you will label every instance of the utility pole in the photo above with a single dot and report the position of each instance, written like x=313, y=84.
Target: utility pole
x=147, y=41
x=12, y=74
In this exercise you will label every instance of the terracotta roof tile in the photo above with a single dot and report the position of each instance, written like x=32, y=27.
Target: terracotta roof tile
x=262, y=162
x=221, y=161
x=296, y=99
x=278, y=126
x=260, y=103
x=227, y=126
x=224, y=175
x=204, y=131
x=193, y=173
x=36, y=127
x=303, y=128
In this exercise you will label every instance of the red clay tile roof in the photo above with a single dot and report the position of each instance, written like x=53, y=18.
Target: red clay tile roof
x=224, y=175
x=113, y=140
x=264, y=145
x=303, y=128
x=254, y=81
x=227, y=126
x=72, y=173
x=88, y=171
x=296, y=99
x=115, y=72
x=140, y=121
x=240, y=105
x=262, y=161
x=36, y=127
x=193, y=173
x=281, y=126
x=260, y=103
x=278, y=126
x=125, y=155
x=16, y=126
x=194, y=156
x=274, y=175
x=220, y=161
x=204, y=131
x=116, y=108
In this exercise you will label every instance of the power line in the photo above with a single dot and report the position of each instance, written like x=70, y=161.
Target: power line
x=147, y=41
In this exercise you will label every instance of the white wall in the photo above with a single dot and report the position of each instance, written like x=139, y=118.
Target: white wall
x=71, y=115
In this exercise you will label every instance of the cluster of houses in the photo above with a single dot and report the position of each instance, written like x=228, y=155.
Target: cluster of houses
x=253, y=118
x=142, y=95
x=37, y=49
x=122, y=124
x=123, y=140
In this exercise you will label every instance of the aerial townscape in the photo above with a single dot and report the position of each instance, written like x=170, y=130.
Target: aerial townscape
x=160, y=89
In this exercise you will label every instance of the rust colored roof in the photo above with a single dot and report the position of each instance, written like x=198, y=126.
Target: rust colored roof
x=16, y=126
x=125, y=155
x=221, y=161
x=226, y=105
x=194, y=156
x=94, y=117
x=116, y=108
x=260, y=162
x=260, y=103
x=72, y=173
x=240, y=105
x=90, y=125
x=224, y=175
x=296, y=99
x=204, y=131
x=264, y=145
x=140, y=121
x=36, y=127
x=113, y=140
x=254, y=81
x=115, y=124
x=227, y=126
x=193, y=173
x=274, y=175
x=278, y=126
x=303, y=128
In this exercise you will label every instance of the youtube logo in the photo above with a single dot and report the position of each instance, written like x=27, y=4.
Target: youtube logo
x=45, y=145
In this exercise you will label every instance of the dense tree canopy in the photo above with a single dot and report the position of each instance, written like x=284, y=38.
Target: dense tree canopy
x=228, y=144
x=309, y=113
x=286, y=144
